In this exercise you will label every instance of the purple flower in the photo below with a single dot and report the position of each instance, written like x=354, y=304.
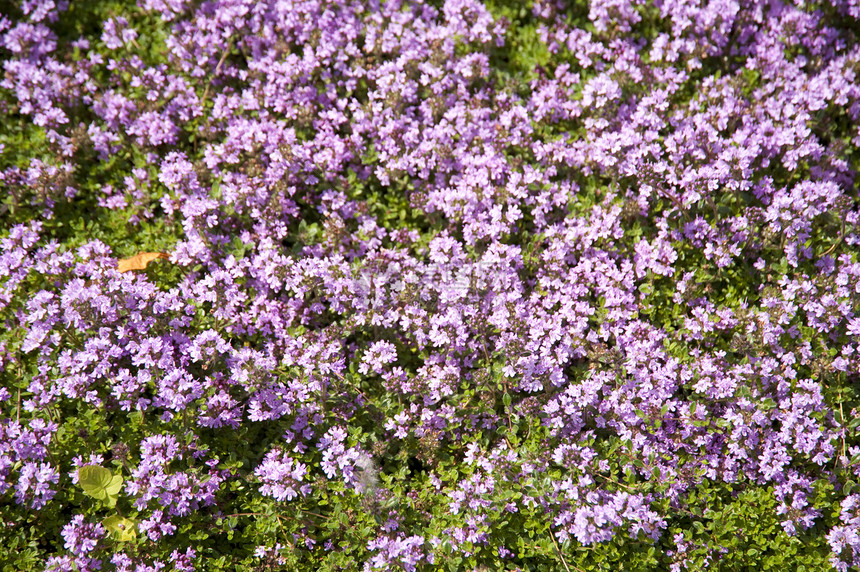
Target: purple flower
x=82, y=537
x=281, y=476
x=34, y=485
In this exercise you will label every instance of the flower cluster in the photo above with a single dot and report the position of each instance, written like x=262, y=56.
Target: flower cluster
x=437, y=270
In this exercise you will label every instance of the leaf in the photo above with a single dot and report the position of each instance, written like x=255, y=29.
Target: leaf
x=114, y=487
x=94, y=479
x=121, y=529
x=100, y=483
x=139, y=261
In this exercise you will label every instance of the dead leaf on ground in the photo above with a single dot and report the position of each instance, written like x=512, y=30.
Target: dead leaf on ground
x=139, y=261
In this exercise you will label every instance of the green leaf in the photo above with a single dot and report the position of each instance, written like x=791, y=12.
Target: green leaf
x=114, y=487
x=100, y=483
x=121, y=529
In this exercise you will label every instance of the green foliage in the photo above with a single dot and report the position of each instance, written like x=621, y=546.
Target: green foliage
x=121, y=529
x=523, y=54
x=100, y=484
x=742, y=532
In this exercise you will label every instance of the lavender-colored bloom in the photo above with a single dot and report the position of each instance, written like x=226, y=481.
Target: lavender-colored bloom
x=281, y=476
x=82, y=537
x=34, y=485
x=591, y=260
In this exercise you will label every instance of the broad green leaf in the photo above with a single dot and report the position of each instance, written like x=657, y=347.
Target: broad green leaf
x=120, y=528
x=100, y=483
x=94, y=480
x=113, y=489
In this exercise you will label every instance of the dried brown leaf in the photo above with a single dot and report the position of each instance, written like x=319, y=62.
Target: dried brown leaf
x=139, y=261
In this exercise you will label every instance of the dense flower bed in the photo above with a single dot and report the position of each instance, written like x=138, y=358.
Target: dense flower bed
x=449, y=285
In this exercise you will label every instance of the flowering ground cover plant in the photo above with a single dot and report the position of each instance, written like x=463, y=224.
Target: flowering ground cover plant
x=429, y=285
